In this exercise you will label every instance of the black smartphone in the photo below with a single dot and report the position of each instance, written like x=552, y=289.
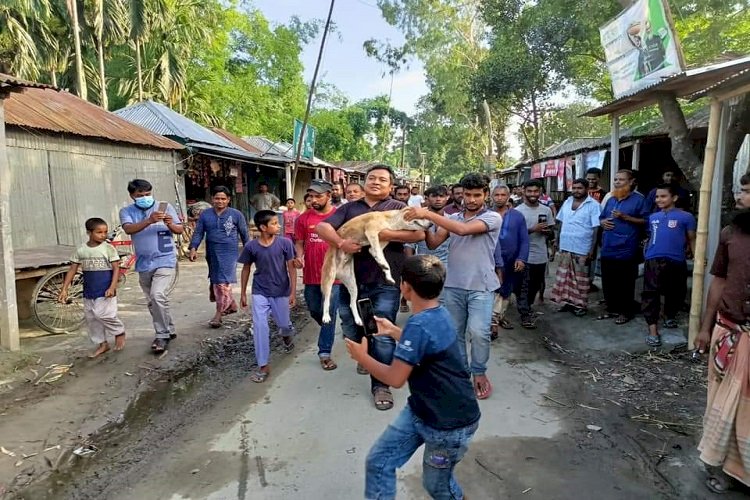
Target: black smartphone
x=542, y=219
x=367, y=313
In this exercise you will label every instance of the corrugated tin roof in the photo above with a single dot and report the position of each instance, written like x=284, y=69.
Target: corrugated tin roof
x=359, y=166
x=281, y=148
x=233, y=153
x=683, y=84
x=162, y=120
x=9, y=80
x=45, y=108
x=236, y=140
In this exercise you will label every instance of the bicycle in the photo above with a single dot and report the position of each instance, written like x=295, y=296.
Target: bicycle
x=55, y=317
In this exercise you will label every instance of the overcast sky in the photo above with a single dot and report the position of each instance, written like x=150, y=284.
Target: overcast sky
x=345, y=63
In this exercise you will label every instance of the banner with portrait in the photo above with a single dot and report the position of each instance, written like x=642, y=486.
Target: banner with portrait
x=640, y=47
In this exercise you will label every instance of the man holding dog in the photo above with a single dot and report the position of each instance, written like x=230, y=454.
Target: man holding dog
x=471, y=281
x=371, y=281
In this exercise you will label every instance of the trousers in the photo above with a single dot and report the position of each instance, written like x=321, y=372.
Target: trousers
x=155, y=286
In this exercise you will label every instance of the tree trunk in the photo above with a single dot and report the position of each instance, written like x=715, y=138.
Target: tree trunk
x=682, y=146
x=81, y=77
x=491, y=158
x=139, y=71
x=103, y=99
x=53, y=77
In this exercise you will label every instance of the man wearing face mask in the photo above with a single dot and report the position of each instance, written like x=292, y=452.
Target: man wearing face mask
x=151, y=226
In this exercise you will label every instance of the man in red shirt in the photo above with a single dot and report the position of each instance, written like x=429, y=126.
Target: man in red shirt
x=310, y=252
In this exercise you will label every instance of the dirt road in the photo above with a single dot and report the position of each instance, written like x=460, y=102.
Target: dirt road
x=305, y=434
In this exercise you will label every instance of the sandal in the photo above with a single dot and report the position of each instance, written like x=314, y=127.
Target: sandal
x=720, y=483
x=383, y=398
x=158, y=346
x=580, y=312
x=670, y=323
x=529, y=324
x=259, y=376
x=287, y=348
x=214, y=324
x=622, y=319
x=328, y=364
x=605, y=316
x=362, y=370
x=482, y=389
x=653, y=340
x=505, y=324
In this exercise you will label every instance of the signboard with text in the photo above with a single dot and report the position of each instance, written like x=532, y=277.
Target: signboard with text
x=640, y=47
x=308, y=145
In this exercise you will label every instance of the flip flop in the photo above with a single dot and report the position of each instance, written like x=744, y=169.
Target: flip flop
x=328, y=364
x=720, y=484
x=653, y=340
x=214, y=324
x=383, y=398
x=158, y=346
x=604, y=316
x=621, y=320
x=287, y=348
x=478, y=392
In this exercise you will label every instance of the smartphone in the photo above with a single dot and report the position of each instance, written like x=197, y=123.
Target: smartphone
x=542, y=219
x=367, y=313
x=163, y=207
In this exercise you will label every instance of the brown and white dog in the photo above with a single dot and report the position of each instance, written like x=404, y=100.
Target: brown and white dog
x=364, y=230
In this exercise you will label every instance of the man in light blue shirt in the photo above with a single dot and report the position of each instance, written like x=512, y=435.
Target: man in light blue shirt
x=579, y=216
x=151, y=226
x=471, y=281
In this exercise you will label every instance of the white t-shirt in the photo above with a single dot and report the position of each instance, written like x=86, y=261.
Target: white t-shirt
x=415, y=200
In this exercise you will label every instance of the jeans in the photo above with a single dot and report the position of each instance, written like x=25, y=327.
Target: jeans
x=472, y=314
x=385, y=302
x=618, y=285
x=155, y=285
x=314, y=300
x=443, y=450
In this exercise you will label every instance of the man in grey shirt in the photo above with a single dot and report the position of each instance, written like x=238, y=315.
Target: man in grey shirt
x=471, y=281
x=539, y=222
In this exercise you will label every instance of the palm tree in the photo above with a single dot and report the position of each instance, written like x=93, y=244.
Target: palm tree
x=138, y=29
x=22, y=28
x=75, y=26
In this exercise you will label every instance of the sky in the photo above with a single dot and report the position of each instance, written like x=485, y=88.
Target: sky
x=345, y=63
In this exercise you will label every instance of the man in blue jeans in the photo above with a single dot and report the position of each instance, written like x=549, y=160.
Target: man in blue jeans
x=471, y=282
x=442, y=411
x=370, y=278
x=310, y=251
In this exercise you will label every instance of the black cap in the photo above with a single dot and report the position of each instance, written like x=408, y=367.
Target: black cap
x=320, y=186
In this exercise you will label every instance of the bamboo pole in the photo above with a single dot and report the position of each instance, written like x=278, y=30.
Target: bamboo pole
x=704, y=208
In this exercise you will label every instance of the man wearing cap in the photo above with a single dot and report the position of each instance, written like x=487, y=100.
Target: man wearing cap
x=310, y=252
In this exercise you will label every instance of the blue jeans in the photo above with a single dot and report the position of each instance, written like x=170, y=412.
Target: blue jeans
x=443, y=450
x=472, y=314
x=385, y=302
x=314, y=300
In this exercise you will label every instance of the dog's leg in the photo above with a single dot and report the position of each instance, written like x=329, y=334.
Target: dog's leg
x=349, y=280
x=328, y=275
x=376, y=250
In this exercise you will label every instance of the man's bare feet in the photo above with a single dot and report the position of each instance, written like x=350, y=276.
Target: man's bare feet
x=120, y=342
x=482, y=386
x=103, y=347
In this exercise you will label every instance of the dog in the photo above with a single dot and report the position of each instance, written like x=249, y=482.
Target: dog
x=364, y=230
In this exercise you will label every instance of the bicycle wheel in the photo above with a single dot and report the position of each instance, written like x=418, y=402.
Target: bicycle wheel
x=176, y=276
x=51, y=315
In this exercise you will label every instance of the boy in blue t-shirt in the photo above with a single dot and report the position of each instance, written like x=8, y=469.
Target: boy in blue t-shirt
x=274, y=287
x=99, y=262
x=442, y=411
x=671, y=232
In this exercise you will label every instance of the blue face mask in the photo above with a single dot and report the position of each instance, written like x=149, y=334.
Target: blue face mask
x=144, y=202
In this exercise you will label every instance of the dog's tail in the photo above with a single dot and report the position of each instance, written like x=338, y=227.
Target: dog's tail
x=328, y=276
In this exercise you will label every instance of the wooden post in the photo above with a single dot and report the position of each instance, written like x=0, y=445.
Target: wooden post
x=704, y=208
x=636, y=160
x=614, y=151
x=9, y=338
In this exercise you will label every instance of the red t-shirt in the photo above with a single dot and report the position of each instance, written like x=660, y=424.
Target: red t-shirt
x=315, y=247
x=290, y=217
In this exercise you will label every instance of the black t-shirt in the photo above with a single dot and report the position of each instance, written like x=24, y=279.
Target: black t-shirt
x=442, y=395
x=366, y=269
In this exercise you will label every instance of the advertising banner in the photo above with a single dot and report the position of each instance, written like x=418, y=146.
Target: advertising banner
x=308, y=145
x=536, y=171
x=640, y=47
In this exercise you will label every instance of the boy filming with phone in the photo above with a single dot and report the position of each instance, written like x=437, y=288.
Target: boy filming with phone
x=442, y=412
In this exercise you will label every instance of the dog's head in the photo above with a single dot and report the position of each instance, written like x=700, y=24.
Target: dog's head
x=398, y=222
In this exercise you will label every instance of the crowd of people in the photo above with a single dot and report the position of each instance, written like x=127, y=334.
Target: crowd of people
x=457, y=279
